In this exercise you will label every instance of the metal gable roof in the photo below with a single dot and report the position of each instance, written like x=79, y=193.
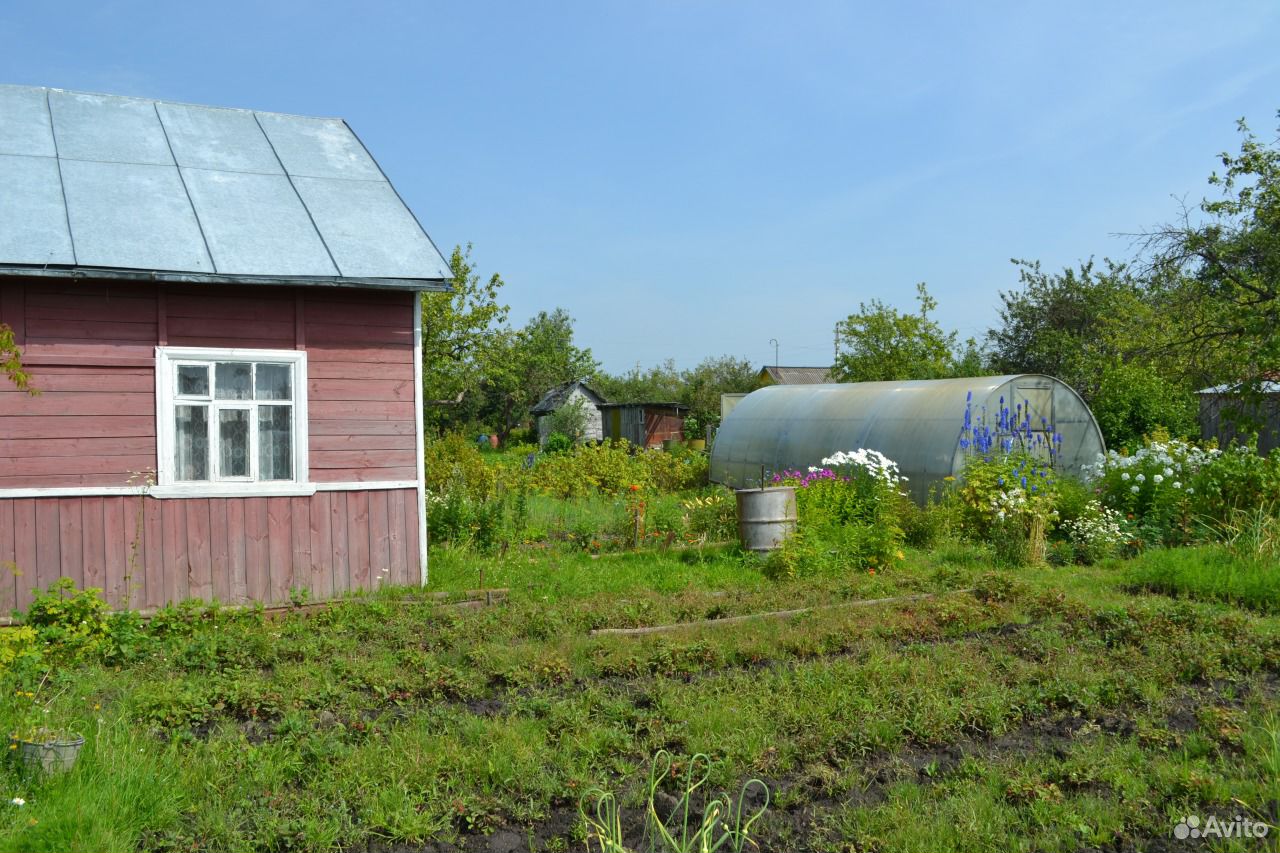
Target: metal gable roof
x=105, y=185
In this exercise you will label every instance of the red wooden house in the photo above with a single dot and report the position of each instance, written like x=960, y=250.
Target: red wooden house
x=219, y=309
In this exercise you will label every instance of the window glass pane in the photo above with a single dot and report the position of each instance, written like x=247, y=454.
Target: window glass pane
x=233, y=381
x=233, y=443
x=275, y=443
x=193, y=380
x=274, y=381
x=192, y=439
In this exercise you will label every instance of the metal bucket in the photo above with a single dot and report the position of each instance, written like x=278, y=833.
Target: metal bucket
x=52, y=753
x=766, y=517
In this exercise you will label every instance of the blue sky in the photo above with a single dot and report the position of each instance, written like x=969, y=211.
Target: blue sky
x=695, y=178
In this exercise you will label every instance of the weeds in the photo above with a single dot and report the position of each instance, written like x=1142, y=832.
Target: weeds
x=689, y=826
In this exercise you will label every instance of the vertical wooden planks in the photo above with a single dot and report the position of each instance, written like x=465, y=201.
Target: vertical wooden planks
x=118, y=537
x=280, y=546
x=24, y=550
x=228, y=549
x=93, y=545
x=70, y=545
x=8, y=558
x=257, y=556
x=379, y=539
x=237, y=549
x=396, y=561
x=341, y=561
x=48, y=564
x=199, y=548
x=153, y=559
x=220, y=549
x=411, y=544
x=300, y=532
x=358, y=538
x=177, y=566
x=321, y=546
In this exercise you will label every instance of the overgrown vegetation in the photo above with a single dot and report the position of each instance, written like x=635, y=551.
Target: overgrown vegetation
x=1059, y=709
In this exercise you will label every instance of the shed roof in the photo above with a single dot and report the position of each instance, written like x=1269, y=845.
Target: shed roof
x=556, y=397
x=1265, y=387
x=798, y=375
x=110, y=186
x=646, y=404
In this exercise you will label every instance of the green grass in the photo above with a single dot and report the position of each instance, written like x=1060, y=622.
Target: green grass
x=1053, y=709
x=1210, y=572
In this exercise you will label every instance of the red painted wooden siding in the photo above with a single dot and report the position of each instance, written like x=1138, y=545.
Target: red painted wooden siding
x=360, y=394
x=90, y=350
x=660, y=425
x=144, y=552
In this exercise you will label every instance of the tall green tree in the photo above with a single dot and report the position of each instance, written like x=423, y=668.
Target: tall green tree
x=526, y=363
x=1097, y=329
x=713, y=376
x=660, y=383
x=459, y=331
x=1217, y=268
x=880, y=343
x=1063, y=324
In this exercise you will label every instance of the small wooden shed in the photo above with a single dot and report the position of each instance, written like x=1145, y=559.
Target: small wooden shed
x=576, y=393
x=1228, y=415
x=220, y=309
x=644, y=424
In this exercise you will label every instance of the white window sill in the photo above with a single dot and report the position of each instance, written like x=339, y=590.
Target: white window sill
x=233, y=490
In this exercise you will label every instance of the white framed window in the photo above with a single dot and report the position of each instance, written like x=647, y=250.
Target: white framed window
x=231, y=421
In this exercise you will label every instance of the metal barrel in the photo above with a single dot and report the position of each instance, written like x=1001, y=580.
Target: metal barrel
x=766, y=517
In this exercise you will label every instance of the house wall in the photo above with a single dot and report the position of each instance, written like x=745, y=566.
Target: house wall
x=90, y=349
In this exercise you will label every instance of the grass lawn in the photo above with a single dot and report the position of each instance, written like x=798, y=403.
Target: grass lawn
x=1045, y=709
x=1211, y=572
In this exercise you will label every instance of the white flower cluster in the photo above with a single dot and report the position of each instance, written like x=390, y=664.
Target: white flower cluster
x=1097, y=529
x=873, y=462
x=1009, y=502
x=1174, y=461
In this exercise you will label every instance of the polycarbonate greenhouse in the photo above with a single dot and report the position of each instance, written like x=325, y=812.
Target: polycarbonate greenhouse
x=929, y=427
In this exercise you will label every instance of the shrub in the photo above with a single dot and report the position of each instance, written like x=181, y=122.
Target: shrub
x=1237, y=480
x=19, y=647
x=1153, y=486
x=558, y=442
x=1072, y=499
x=675, y=471
x=68, y=622
x=713, y=515
x=460, y=519
x=1133, y=401
x=1095, y=533
x=454, y=462
x=1009, y=500
x=608, y=468
x=925, y=526
x=851, y=506
x=569, y=422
